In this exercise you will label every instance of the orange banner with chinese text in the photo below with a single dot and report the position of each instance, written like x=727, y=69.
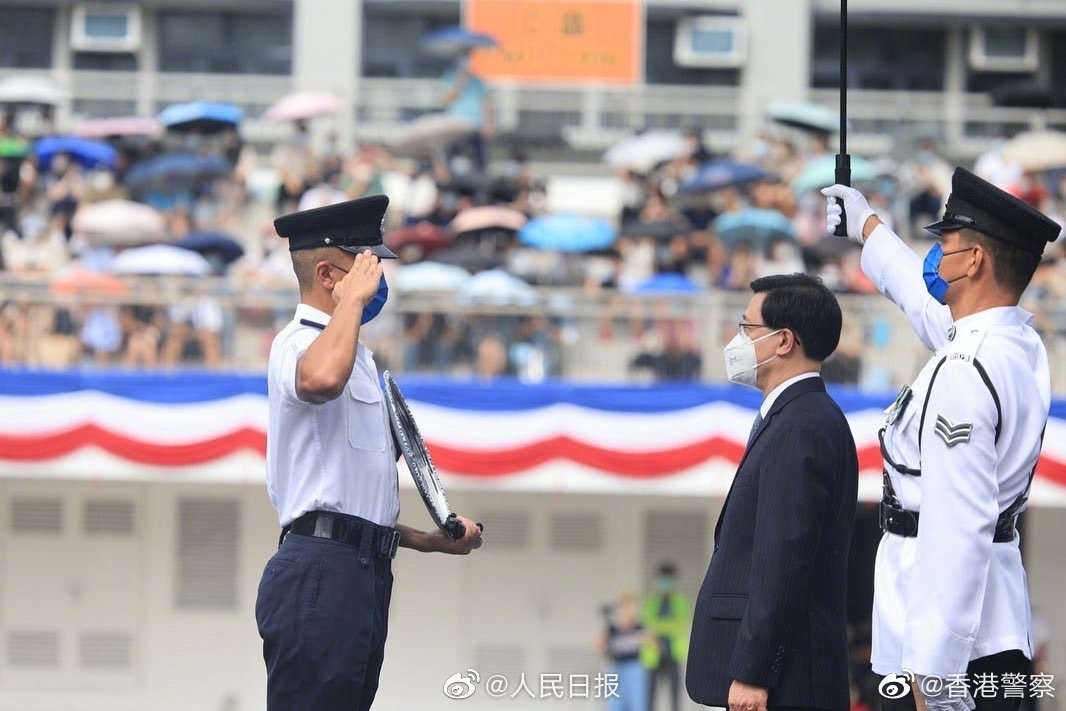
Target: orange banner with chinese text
x=563, y=41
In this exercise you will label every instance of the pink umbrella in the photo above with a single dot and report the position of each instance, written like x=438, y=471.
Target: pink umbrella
x=303, y=105
x=79, y=280
x=120, y=126
x=482, y=218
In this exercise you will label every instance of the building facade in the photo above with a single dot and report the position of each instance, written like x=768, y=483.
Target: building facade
x=960, y=72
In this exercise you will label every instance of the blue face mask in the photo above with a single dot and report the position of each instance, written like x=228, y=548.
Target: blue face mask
x=377, y=301
x=935, y=284
x=374, y=306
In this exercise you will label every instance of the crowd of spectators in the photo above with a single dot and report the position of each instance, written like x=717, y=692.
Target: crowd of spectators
x=688, y=223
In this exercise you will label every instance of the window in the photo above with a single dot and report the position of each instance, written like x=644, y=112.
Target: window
x=660, y=66
x=108, y=517
x=225, y=42
x=105, y=28
x=36, y=515
x=33, y=649
x=1004, y=49
x=710, y=42
x=888, y=58
x=106, y=61
x=26, y=37
x=207, y=554
x=391, y=38
x=580, y=532
x=680, y=537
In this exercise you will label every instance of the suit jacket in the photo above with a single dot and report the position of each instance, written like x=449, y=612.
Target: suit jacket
x=772, y=607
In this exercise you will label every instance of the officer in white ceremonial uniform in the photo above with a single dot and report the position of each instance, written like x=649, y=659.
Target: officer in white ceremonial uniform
x=960, y=445
x=322, y=604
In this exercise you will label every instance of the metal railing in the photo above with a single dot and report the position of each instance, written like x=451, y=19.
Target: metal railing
x=565, y=333
x=586, y=117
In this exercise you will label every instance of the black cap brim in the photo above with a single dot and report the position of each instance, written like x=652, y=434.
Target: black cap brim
x=378, y=250
x=947, y=225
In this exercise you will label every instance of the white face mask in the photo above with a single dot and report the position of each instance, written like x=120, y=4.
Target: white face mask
x=741, y=362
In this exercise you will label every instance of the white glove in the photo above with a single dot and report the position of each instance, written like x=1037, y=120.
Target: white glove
x=855, y=205
x=945, y=700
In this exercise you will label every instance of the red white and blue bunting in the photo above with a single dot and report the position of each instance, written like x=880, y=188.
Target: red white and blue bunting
x=669, y=439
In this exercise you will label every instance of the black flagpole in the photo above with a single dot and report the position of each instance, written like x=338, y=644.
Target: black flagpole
x=843, y=167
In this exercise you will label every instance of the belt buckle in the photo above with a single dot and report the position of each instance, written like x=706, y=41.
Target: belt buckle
x=389, y=544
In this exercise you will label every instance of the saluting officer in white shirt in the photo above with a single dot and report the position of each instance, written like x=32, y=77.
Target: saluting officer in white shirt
x=323, y=601
x=960, y=446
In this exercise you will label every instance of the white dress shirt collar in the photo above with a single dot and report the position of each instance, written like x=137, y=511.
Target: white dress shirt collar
x=997, y=316
x=306, y=311
x=768, y=402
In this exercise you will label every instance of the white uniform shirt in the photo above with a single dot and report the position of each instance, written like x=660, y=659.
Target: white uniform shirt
x=951, y=594
x=334, y=456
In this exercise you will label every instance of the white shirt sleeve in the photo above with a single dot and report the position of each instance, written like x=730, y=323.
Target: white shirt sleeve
x=959, y=508
x=897, y=272
x=291, y=350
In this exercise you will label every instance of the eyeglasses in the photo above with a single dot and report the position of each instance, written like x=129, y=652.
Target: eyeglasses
x=743, y=325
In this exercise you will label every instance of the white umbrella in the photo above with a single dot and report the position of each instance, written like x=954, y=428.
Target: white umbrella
x=321, y=196
x=646, y=150
x=429, y=133
x=160, y=259
x=430, y=276
x=303, y=105
x=496, y=286
x=1037, y=150
x=806, y=117
x=118, y=222
x=30, y=90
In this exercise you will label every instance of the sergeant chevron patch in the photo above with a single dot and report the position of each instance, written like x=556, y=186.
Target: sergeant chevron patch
x=952, y=434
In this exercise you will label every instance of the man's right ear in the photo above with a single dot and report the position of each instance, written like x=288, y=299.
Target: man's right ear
x=324, y=275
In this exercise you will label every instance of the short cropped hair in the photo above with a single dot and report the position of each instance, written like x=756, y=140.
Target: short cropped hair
x=805, y=306
x=1012, y=268
x=303, y=263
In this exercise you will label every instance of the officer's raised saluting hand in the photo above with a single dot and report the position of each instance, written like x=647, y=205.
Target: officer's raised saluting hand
x=362, y=280
x=441, y=542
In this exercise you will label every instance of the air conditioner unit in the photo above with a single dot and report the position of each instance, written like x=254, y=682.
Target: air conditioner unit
x=105, y=27
x=710, y=41
x=1004, y=49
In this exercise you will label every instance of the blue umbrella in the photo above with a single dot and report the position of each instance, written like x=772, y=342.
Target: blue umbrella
x=200, y=115
x=88, y=154
x=821, y=173
x=212, y=244
x=172, y=167
x=454, y=40
x=753, y=225
x=667, y=283
x=720, y=174
x=567, y=233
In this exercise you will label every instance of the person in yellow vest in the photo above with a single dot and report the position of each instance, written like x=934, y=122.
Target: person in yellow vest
x=667, y=617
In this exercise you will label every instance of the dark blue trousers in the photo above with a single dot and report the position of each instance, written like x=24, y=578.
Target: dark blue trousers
x=323, y=611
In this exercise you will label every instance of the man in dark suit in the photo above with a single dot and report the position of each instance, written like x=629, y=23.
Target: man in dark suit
x=769, y=625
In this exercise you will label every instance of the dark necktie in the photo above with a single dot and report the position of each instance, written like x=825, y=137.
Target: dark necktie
x=754, y=428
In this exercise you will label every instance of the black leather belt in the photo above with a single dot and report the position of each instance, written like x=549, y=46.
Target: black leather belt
x=351, y=530
x=902, y=522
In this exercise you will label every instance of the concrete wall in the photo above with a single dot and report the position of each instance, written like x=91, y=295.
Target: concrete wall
x=527, y=602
